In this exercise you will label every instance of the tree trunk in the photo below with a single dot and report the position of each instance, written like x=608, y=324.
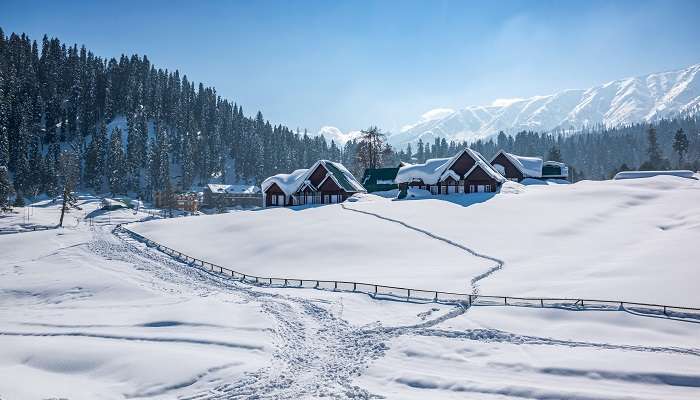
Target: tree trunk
x=63, y=207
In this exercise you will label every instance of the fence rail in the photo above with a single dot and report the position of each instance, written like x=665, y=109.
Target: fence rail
x=422, y=295
x=29, y=229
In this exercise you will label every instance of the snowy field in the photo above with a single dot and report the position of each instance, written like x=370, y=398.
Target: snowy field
x=632, y=240
x=86, y=313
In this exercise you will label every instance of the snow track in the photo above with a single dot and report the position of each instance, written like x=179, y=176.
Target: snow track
x=474, y=281
x=316, y=353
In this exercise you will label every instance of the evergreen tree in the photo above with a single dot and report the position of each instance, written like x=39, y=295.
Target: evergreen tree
x=6, y=188
x=116, y=175
x=680, y=145
x=554, y=154
x=655, y=160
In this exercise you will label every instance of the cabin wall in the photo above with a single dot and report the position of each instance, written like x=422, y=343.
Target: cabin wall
x=511, y=171
x=463, y=164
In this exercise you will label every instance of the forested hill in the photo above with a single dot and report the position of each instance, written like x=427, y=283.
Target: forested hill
x=53, y=94
x=133, y=127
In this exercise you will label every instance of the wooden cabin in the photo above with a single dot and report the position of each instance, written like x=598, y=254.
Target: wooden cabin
x=326, y=182
x=465, y=172
x=516, y=168
x=221, y=196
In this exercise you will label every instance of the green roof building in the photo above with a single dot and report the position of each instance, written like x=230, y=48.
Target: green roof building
x=380, y=179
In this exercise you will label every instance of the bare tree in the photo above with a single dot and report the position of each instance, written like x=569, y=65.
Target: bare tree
x=371, y=148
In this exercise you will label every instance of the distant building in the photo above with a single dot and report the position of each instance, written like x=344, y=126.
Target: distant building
x=188, y=201
x=649, y=174
x=381, y=179
x=326, y=182
x=465, y=172
x=216, y=195
x=516, y=168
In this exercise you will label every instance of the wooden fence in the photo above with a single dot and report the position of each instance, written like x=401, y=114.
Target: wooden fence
x=426, y=296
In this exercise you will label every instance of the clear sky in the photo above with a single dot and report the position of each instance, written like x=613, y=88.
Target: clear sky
x=350, y=64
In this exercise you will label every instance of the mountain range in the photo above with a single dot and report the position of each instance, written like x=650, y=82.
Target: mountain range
x=638, y=99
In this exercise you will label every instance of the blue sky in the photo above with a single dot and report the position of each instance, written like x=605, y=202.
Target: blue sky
x=350, y=64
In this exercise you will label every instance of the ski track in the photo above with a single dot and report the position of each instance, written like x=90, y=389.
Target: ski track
x=474, y=281
x=316, y=353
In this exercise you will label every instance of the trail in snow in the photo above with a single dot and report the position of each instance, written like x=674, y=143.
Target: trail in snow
x=316, y=352
x=474, y=281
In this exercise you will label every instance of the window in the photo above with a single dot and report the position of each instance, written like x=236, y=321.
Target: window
x=472, y=189
x=433, y=189
x=327, y=199
x=452, y=189
x=460, y=188
x=273, y=200
x=444, y=189
x=280, y=200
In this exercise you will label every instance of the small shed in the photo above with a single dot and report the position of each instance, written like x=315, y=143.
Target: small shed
x=380, y=179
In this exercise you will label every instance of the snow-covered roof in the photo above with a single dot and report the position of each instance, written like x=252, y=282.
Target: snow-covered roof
x=218, y=188
x=291, y=183
x=530, y=167
x=649, y=174
x=431, y=172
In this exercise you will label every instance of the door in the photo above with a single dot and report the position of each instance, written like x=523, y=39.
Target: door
x=481, y=188
x=472, y=189
x=280, y=199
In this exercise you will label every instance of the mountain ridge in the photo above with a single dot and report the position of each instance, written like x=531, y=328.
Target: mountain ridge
x=644, y=98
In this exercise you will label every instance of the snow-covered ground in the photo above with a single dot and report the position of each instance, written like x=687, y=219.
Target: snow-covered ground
x=631, y=240
x=87, y=313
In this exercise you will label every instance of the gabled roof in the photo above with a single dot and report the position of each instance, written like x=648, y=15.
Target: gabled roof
x=343, y=177
x=432, y=171
x=530, y=167
x=451, y=173
x=292, y=183
x=489, y=171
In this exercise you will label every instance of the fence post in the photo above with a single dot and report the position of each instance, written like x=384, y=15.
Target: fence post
x=354, y=286
x=409, y=293
x=436, y=297
x=285, y=282
x=542, y=303
x=335, y=285
x=665, y=311
x=270, y=281
x=469, y=302
x=505, y=300
x=375, y=289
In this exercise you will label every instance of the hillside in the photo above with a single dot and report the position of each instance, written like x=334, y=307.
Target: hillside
x=644, y=98
x=608, y=240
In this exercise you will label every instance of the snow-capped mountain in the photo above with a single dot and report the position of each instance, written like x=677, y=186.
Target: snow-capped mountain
x=644, y=98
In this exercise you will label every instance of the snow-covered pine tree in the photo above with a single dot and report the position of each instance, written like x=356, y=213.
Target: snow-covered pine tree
x=116, y=161
x=6, y=188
